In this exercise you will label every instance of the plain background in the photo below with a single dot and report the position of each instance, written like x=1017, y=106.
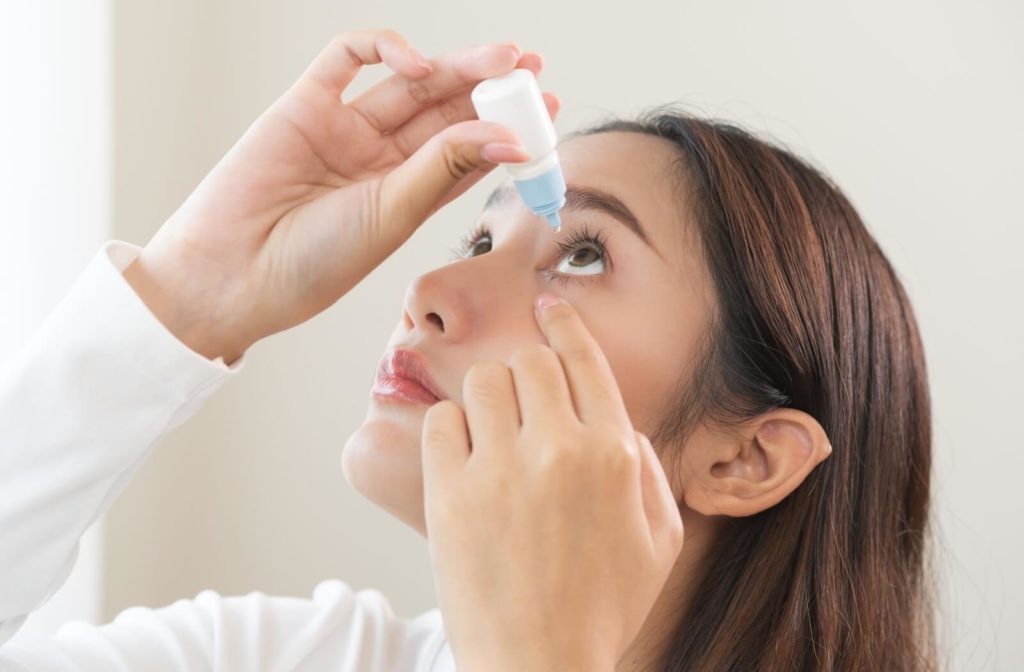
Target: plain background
x=914, y=108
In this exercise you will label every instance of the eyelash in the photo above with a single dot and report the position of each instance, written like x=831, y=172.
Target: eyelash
x=580, y=237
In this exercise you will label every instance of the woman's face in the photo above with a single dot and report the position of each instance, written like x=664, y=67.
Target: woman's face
x=645, y=301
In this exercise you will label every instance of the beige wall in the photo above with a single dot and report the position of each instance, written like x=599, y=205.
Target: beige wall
x=914, y=108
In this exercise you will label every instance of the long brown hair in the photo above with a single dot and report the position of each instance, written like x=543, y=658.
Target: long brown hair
x=810, y=315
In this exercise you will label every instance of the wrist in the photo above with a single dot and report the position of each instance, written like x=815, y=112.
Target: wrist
x=552, y=666
x=534, y=663
x=189, y=318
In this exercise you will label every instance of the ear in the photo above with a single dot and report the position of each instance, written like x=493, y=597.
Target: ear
x=748, y=469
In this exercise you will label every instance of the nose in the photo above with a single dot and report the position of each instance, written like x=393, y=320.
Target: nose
x=437, y=307
x=473, y=298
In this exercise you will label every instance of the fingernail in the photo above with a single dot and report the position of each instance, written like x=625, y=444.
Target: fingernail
x=519, y=52
x=545, y=300
x=420, y=60
x=503, y=152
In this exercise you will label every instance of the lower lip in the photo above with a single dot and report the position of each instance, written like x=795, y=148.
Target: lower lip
x=389, y=388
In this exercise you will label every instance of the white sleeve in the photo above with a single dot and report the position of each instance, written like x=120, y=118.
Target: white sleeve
x=81, y=405
x=338, y=630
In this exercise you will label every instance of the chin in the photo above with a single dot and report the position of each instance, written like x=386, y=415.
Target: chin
x=382, y=461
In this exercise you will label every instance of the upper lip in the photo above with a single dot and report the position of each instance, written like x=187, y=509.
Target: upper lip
x=408, y=364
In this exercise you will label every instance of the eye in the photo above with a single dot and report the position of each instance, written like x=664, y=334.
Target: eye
x=583, y=254
x=481, y=245
x=584, y=257
x=477, y=241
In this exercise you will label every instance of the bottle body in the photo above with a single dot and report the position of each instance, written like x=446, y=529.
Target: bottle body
x=514, y=100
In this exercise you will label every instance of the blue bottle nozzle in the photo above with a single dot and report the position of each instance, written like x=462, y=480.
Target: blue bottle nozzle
x=544, y=194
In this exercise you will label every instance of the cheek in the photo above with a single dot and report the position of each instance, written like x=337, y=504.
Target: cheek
x=646, y=371
x=649, y=344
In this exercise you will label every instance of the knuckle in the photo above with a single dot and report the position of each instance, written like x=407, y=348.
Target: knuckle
x=456, y=161
x=434, y=436
x=401, y=142
x=418, y=91
x=568, y=442
x=671, y=531
x=580, y=353
x=619, y=451
x=373, y=119
x=486, y=381
x=488, y=368
x=372, y=33
x=555, y=455
x=533, y=355
x=438, y=412
x=676, y=530
x=390, y=34
x=369, y=33
x=346, y=39
x=449, y=111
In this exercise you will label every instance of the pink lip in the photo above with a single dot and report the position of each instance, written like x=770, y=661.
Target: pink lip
x=402, y=376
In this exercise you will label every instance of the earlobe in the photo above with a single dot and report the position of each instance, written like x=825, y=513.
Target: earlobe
x=758, y=464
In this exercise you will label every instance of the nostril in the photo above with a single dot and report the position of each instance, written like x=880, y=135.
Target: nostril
x=436, y=319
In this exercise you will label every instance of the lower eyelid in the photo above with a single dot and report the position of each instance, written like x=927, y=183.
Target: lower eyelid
x=567, y=278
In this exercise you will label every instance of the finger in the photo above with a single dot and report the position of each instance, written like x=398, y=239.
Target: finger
x=541, y=389
x=425, y=125
x=445, y=443
x=660, y=505
x=410, y=192
x=553, y=105
x=492, y=412
x=594, y=388
x=339, y=62
x=394, y=101
x=532, y=61
x=444, y=113
x=462, y=187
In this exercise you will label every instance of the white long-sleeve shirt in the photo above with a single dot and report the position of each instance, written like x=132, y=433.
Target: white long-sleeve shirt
x=81, y=406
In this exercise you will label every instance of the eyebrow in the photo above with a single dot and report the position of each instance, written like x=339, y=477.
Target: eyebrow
x=578, y=197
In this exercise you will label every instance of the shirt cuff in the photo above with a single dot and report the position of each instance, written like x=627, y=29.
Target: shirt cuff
x=156, y=352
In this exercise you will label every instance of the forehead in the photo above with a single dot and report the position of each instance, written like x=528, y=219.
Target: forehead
x=636, y=168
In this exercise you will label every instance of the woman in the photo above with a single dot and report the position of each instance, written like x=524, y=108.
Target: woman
x=772, y=330
x=770, y=323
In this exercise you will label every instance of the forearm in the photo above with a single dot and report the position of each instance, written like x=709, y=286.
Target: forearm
x=80, y=407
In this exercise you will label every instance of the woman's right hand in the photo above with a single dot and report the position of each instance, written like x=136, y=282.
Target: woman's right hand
x=318, y=192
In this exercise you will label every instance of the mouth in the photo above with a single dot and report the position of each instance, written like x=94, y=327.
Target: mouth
x=402, y=376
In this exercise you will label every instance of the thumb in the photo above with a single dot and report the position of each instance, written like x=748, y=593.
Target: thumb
x=663, y=516
x=422, y=183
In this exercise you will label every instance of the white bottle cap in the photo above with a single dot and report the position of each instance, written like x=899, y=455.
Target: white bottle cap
x=514, y=100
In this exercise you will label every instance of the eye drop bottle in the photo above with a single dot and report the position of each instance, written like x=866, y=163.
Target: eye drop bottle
x=514, y=101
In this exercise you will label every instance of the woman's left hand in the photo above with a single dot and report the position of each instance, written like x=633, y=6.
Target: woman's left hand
x=551, y=524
